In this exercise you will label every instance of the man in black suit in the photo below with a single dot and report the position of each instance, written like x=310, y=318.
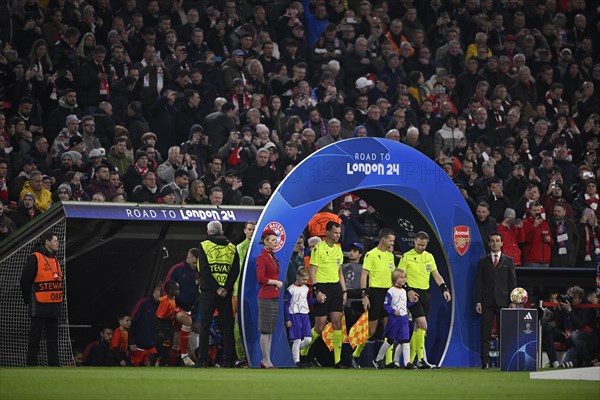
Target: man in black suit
x=496, y=278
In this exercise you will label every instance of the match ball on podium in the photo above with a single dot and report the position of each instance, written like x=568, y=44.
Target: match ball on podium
x=519, y=295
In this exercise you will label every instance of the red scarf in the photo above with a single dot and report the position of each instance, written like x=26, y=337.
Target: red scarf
x=590, y=234
x=245, y=104
x=591, y=201
x=551, y=102
x=140, y=171
x=499, y=120
x=3, y=191
x=527, y=210
x=234, y=158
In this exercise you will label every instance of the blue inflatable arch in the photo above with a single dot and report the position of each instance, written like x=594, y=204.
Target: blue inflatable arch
x=412, y=193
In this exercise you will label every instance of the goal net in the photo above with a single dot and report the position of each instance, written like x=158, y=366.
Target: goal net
x=14, y=313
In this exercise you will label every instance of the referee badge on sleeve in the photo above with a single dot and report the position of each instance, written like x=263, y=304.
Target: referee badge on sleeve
x=428, y=267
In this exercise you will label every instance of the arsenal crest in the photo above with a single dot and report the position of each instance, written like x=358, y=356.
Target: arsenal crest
x=462, y=239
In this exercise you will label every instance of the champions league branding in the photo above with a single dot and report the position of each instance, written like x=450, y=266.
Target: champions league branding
x=411, y=193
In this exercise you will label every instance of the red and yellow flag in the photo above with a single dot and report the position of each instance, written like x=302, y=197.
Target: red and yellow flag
x=327, y=333
x=359, y=333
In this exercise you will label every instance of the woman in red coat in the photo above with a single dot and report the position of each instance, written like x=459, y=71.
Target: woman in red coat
x=267, y=274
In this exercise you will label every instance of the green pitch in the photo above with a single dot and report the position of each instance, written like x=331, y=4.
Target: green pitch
x=321, y=383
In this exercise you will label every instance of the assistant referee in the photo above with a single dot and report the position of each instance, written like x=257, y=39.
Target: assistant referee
x=377, y=272
x=329, y=287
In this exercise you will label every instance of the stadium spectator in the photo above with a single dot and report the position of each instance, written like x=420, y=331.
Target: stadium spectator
x=100, y=184
x=134, y=174
x=174, y=162
x=147, y=191
x=180, y=186
x=264, y=193
x=216, y=196
x=197, y=193
x=538, y=240
x=119, y=156
x=35, y=188
x=7, y=226
x=197, y=147
x=218, y=124
x=511, y=230
x=258, y=172
x=485, y=222
x=565, y=237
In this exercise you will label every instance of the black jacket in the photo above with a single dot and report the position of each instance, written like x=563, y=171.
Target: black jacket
x=141, y=194
x=495, y=284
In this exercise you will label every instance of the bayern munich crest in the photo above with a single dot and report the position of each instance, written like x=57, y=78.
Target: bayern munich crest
x=280, y=231
x=461, y=236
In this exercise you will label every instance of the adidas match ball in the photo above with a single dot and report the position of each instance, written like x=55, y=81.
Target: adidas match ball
x=519, y=295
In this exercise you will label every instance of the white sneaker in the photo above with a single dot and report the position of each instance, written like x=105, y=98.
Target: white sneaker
x=187, y=361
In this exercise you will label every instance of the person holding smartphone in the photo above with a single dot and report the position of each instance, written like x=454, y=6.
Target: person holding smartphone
x=538, y=241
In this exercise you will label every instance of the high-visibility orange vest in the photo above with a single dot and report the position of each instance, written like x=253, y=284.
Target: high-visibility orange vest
x=48, y=281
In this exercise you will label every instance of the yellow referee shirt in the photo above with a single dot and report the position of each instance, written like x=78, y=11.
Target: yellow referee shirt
x=418, y=268
x=380, y=265
x=328, y=261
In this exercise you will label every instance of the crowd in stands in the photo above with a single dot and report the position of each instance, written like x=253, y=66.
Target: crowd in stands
x=214, y=102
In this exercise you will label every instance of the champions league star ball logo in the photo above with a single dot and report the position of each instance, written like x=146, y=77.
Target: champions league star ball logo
x=462, y=239
x=406, y=225
x=278, y=229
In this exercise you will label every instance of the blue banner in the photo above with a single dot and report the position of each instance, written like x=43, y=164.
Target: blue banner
x=412, y=193
x=159, y=212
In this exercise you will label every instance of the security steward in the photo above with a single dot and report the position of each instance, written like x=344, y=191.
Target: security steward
x=42, y=289
x=420, y=265
x=375, y=281
x=219, y=268
x=329, y=287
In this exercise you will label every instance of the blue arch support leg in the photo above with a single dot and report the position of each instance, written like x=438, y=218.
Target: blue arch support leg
x=413, y=194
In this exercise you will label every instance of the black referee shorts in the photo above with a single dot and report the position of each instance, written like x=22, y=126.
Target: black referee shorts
x=334, y=301
x=421, y=307
x=376, y=300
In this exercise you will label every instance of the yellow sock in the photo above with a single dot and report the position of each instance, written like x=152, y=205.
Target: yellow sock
x=315, y=335
x=337, y=339
x=414, y=343
x=389, y=354
x=358, y=350
x=422, y=355
x=420, y=333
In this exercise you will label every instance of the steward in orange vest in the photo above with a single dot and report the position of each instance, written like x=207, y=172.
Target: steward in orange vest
x=42, y=289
